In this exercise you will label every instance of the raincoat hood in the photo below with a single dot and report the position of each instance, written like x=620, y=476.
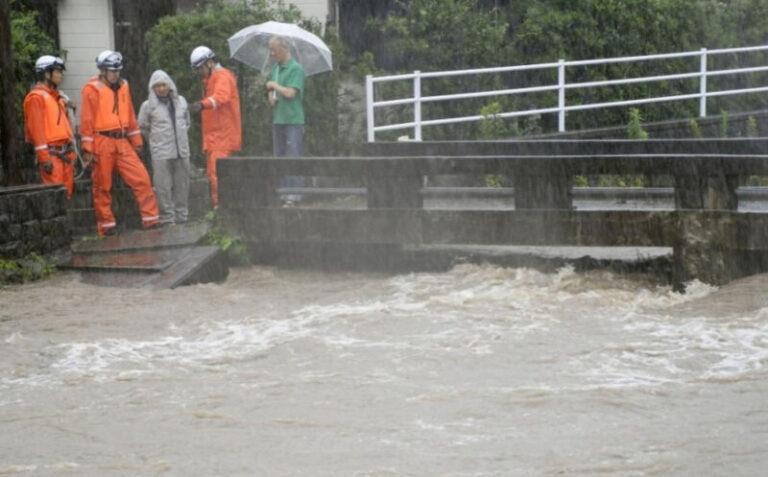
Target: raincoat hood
x=165, y=123
x=160, y=76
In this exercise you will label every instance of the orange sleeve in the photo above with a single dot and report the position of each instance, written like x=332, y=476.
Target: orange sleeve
x=90, y=99
x=223, y=91
x=34, y=126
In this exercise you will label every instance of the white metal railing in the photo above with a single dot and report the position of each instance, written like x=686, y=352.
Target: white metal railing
x=561, y=87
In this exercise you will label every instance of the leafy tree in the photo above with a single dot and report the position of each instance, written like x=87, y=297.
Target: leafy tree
x=459, y=34
x=431, y=36
x=549, y=30
x=28, y=42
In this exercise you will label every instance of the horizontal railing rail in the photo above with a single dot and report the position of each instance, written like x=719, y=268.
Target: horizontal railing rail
x=561, y=86
x=566, y=164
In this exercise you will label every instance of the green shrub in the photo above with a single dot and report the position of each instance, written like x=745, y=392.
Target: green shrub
x=724, y=123
x=30, y=268
x=696, y=129
x=232, y=246
x=493, y=126
x=28, y=42
x=752, y=130
x=635, y=127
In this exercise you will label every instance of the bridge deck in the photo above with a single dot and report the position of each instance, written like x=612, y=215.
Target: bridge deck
x=712, y=237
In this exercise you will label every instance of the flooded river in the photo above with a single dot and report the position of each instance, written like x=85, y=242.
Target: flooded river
x=480, y=371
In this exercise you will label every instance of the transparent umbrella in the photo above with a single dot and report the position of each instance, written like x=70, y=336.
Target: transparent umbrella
x=251, y=46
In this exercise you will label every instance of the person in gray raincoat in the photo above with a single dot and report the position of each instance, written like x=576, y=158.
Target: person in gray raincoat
x=164, y=120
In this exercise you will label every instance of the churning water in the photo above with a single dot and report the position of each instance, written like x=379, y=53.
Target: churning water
x=480, y=371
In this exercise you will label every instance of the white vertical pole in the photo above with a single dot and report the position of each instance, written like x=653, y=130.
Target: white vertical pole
x=369, y=107
x=703, y=84
x=561, y=95
x=417, y=105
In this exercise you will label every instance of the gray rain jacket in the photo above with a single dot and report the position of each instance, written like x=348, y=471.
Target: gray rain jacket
x=165, y=141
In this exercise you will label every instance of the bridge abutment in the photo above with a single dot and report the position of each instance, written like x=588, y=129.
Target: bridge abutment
x=710, y=239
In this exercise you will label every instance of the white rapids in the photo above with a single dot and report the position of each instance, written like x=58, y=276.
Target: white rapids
x=480, y=371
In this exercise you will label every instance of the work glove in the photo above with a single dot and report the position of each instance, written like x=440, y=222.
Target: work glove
x=196, y=107
x=48, y=167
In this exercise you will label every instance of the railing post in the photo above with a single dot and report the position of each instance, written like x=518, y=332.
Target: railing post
x=417, y=105
x=561, y=95
x=703, y=84
x=369, y=107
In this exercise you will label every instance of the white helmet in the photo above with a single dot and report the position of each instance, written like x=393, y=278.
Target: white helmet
x=48, y=62
x=109, y=60
x=200, y=55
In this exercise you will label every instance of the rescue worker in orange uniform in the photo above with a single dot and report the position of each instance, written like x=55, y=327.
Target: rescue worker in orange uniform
x=220, y=112
x=110, y=138
x=47, y=126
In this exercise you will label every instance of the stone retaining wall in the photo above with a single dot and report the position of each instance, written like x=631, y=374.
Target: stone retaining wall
x=33, y=218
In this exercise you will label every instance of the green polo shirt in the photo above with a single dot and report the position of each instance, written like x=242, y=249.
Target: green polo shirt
x=291, y=75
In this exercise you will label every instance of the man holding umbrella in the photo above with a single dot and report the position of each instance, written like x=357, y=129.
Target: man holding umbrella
x=285, y=90
x=286, y=53
x=220, y=112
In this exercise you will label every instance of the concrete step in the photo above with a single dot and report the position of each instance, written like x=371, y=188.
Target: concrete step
x=167, y=257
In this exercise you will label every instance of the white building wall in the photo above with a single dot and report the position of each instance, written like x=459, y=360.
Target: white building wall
x=85, y=30
x=314, y=9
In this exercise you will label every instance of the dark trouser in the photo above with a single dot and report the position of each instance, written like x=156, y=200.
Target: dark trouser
x=288, y=141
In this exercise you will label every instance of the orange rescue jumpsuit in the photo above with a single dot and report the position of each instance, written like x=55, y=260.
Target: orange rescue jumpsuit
x=221, y=121
x=109, y=130
x=48, y=129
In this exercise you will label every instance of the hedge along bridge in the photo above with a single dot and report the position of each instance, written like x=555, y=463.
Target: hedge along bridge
x=711, y=239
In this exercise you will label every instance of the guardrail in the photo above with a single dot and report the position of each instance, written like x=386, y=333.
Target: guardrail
x=560, y=87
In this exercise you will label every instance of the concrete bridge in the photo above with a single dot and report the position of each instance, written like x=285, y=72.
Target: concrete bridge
x=712, y=240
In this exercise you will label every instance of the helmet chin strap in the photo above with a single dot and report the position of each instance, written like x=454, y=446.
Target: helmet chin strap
x=48, y=82
x=208, y=67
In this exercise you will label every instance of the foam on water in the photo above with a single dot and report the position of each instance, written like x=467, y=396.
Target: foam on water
x=478, y=371
x=472, y=310
x=681, y=350
x=214, y=343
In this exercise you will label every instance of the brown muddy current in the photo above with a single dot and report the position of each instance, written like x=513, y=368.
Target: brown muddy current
x=480, y=371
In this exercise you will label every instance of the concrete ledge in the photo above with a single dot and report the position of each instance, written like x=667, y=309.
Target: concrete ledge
x=656, y=261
